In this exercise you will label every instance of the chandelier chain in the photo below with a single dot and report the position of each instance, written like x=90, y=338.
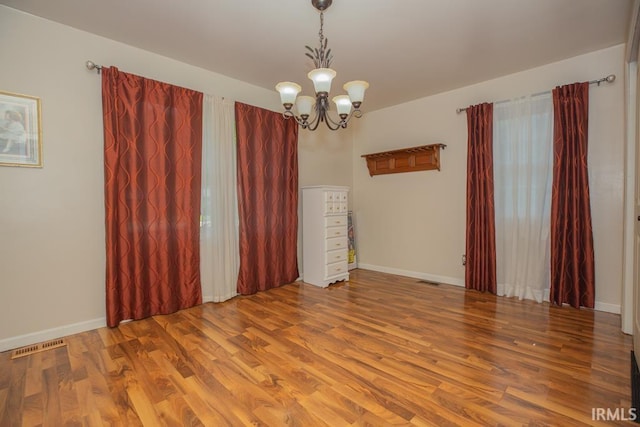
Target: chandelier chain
x=321, y=33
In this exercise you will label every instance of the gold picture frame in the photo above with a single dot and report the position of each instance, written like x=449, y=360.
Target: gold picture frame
x=20, y=130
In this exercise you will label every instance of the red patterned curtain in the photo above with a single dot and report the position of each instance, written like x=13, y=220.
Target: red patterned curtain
x=480, y=272
x=152, y=153
x=572, y=256
x=267, y=198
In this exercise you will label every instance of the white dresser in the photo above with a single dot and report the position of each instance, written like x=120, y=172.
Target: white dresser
x=324, y=234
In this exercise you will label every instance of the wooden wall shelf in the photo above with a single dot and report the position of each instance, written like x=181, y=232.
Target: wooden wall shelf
x=423, y=158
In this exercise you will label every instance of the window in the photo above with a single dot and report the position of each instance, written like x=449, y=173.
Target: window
x=522, y=150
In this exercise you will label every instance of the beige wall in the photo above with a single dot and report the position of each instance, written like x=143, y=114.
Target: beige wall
x=52, y=219
x=414, y=223
x=325, y=156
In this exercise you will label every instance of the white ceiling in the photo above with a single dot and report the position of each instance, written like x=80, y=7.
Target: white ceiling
x=406, y=49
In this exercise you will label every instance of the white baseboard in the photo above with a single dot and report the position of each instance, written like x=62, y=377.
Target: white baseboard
x=599, y=306
x=49, y=334
x=606, y=307
x=445, y=280
x=63, y=331
x=74, y=328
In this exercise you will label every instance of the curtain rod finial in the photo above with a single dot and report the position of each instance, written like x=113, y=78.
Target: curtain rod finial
x=611, y=78
x=93, y=66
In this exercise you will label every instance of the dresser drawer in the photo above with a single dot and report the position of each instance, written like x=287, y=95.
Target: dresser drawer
x=331, y=208
x=336, y=256
x=336, y=208
x=335, y=196
x=337, y=268
x=334, y=221
x=332, y=232
x=336, y=243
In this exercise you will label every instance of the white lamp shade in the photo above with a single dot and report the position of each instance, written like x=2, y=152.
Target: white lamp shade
x=304, y=104
x=356, y=89
x=343, y=103
x=321, y=78
x=288, y=91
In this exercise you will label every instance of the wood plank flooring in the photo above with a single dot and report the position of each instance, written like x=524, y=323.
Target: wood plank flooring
x=378, y=350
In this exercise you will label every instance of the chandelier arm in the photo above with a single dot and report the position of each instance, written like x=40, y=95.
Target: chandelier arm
x=322, y=109
x=312, y=128
x=289, y=115
x=338, y=124
x=354, y=113
x=323, y=117
x=327, y=117
x=313, y=124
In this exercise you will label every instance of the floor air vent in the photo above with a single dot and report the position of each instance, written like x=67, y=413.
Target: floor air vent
x=37, y=348
x=426, y=282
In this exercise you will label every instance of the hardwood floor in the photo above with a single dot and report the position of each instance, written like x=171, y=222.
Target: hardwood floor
x=378, y=350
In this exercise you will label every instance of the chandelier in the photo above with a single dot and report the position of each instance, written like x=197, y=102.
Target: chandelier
x=321, y=77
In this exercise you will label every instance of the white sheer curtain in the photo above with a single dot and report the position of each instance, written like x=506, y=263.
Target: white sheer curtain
x=219, y=254
x=522, y=149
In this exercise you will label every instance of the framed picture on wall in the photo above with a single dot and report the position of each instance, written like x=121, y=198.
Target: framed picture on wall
x=20, y=130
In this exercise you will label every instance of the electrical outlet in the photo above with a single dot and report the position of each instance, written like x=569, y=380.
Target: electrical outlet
x=464, y=259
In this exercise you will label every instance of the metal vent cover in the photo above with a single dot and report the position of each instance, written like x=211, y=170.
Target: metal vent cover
x=37, y=348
